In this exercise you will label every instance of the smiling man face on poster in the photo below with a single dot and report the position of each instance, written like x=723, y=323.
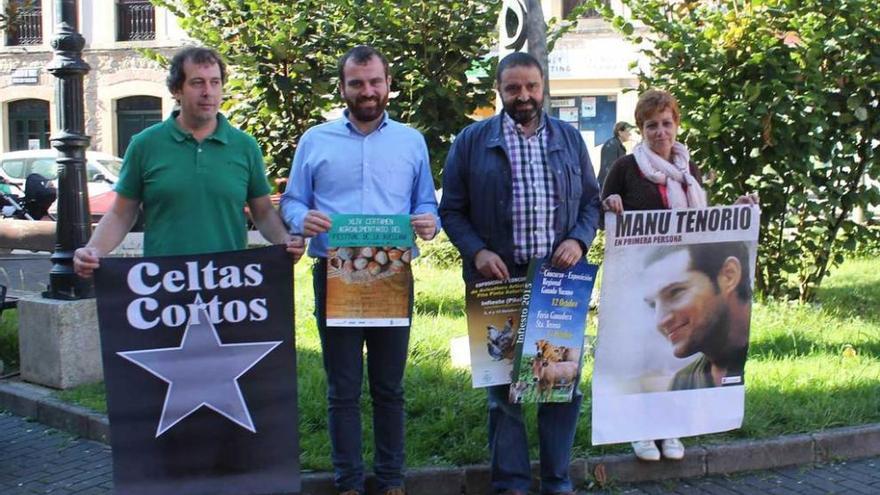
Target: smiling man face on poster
x=701, y=297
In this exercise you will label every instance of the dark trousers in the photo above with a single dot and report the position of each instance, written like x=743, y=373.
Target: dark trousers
x=342, y=349
x=508, y=445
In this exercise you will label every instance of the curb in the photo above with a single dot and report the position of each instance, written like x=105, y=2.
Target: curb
x=852, y=442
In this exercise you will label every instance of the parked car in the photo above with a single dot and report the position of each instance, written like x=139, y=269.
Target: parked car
x=102, y=170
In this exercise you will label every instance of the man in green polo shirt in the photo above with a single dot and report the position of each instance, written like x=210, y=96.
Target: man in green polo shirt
x=193, y=174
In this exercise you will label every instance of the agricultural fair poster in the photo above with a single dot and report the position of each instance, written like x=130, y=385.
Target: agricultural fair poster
x=493, y=310
x=369, y=278
x=200, y=370
x=674, y=318
x=550, y=342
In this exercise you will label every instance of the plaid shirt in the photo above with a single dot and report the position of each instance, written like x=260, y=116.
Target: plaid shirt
x=534, y=194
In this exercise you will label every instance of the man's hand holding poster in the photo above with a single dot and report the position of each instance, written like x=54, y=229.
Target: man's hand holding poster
x=369, y=278
x=200, y=369
x=674, y=323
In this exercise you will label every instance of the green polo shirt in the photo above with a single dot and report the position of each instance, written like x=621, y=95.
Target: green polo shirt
x=193, y=194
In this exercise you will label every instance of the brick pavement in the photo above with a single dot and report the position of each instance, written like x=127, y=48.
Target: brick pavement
x=855, y=477
x=35, y=459
x=38, y=459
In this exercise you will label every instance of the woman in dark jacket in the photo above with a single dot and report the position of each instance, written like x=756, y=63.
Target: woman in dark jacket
x=657, y=175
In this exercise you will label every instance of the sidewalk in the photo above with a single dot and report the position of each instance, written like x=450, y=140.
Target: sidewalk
x=34, y=458
x=37, y=459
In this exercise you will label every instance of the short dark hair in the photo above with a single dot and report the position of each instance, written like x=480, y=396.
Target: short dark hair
x=709, y=258
x=517, y=59
x=620, y=127
x=361, y=55
x=197, y=55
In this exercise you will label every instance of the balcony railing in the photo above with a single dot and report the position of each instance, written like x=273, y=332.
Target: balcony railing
x=135, y=20
x=28, y=27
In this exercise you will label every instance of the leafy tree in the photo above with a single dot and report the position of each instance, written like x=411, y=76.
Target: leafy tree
x=542, y=36
x=439, y=52
x=780, y=97
x=284, y=57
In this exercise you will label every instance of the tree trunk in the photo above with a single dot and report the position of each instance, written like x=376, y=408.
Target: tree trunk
x=536, y=33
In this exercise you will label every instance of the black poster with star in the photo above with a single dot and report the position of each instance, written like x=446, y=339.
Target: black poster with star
x=200, y=370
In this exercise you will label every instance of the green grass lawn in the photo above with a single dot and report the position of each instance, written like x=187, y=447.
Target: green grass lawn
x=799, y=377
x=9, y=339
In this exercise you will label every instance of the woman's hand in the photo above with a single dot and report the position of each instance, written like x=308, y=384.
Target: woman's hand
x=613, y=204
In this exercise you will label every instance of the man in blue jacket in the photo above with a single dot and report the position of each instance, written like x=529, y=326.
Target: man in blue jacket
x=518, y=186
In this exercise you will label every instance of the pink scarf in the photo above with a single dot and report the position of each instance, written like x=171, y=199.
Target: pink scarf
x=660, y=171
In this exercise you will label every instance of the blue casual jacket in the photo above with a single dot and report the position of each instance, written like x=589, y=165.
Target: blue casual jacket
x=476, y=206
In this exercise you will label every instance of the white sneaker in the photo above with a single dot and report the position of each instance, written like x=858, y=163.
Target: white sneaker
x=646, y=450
x=672, y=449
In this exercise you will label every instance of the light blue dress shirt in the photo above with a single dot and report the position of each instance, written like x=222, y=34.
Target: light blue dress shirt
x=337, y=169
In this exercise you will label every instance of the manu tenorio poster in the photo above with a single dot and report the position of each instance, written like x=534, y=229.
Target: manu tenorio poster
x=674, y=318
x=200, y=369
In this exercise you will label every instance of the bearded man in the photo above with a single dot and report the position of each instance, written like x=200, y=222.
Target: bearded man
x=520, y=186
x=362, y=163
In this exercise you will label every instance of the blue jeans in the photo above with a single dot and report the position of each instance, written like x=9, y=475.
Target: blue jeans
x=509, y=449
x=342, y=349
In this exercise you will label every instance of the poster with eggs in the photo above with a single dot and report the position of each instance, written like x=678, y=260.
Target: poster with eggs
x=369, y=279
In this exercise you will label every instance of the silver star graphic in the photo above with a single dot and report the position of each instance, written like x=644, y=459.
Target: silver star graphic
x=202, y=371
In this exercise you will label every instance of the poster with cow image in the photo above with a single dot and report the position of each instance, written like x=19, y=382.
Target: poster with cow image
x=674, y=319
x=369, y=278
x=550, y=344
x=493, y=310
x=200, y=370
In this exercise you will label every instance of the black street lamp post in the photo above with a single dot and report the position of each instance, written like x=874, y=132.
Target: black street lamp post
x=73, y=223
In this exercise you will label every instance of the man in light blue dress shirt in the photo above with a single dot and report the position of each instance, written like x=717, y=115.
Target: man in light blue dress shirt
x=362, y=163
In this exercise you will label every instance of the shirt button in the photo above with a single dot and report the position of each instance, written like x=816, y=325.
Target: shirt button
x=200, y=150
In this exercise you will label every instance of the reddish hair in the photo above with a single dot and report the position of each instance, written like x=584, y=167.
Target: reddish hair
x=654, y=101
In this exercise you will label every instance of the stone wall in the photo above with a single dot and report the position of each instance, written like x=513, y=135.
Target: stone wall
x=114, y=74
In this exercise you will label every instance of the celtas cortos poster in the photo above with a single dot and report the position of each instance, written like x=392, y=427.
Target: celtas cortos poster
x=200, y=370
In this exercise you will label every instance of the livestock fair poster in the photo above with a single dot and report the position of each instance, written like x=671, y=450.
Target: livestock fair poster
x=369, y=278
x=493, y=310
x=674, y=319
x=550, y=344
x=200, y=369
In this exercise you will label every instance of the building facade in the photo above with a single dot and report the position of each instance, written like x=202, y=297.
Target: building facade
x=124, y=91
x=591, y=76
x=589, y=73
